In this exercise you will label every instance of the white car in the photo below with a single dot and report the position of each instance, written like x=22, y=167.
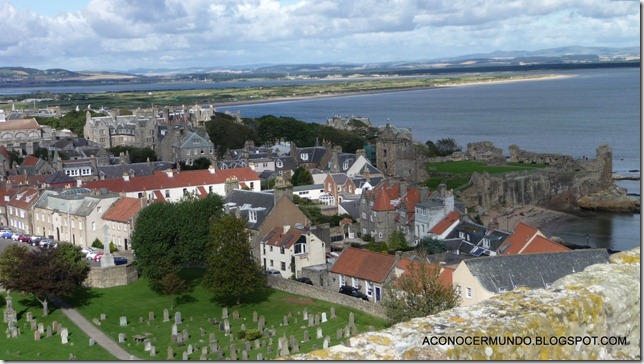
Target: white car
x=15, y=236
x=92, y=255
x=88, y=250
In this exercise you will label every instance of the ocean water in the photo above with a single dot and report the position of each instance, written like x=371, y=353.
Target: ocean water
x=572, y=116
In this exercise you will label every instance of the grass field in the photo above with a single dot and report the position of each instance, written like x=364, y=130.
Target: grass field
x=199, y=308
x=24, y=347
x=457, y=174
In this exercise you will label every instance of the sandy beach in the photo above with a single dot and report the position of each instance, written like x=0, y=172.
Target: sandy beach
x=532, y=215
x=329, y=95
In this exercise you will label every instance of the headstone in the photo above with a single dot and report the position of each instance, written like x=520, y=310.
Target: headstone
x=311, y=320
x=244, y=355
x=147, y=345
x=41, y=328
x=261, y=323
x=338, y=334
x=224, y=313
x=295, y=347
x=220, y=354
x=305, y=315
x=177, y=317
x=254, y=316
x=91, y=342
x=103, y=317
x=243, y=327
x=227, y=326
x=325, y=343
x=351, y=319
x=269, y=350
x=121, y=337
x=153, y=350
x=270, y=341
x=140, y=319
x=184, y=356
x=48, y=331
x=257, y=344
x=317, y=319
x=166, y=315
x=204, y=350
x=285, y=320
x=96, y=322
x=306, y=336
x=151, y=315
x=180, y=340
x=212, y=337
x=123, y=321
x=354, y=330
x=323, y=317
x=235, y=315
x=173, y=338
x=30, y=316
x=318, y=334
x=34, y=325
x=347, y=333
x=371, y=328
x=185, y=335
x=222, y=326
x=247, y=345
x=284, y=350
x=233, y=352
x=64, y=336
x=213, y=347
x=203, y=356
x=175, y=329
x=189, y=349
x=36, y=335
x=260, y=357
x=202, y=332
x=57, y=326
x=170, y=352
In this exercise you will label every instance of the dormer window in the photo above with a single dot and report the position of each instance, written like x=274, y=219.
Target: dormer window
x=300, y=248
x=345, y=165
x=252, y=216
x=304, y=156
x=279, y=163
x=486, y=243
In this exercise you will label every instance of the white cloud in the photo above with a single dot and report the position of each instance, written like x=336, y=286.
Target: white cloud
x=181, y=33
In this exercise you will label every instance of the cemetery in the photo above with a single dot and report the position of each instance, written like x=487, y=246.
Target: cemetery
x=200, y=327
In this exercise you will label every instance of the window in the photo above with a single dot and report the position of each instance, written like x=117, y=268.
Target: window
x=282, y=249
x=282, y=266
x=279, y=163
x=369, y=288
x=271, y=248
x=342, y=280
x=468, y=292
x=458, y=290
x=252, y=216
x=304, y=156
x=345, y=165
x=252, y=185
x=93, y=226
x=486, y=243
x=271, y=262
x=354, y=283
x=300, y=248
x=167, y=193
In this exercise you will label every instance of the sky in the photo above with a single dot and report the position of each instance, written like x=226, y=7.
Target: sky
x=120, y=35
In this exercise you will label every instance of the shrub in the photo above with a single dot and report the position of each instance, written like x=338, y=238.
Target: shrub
x=252, y=334
x=97, y=244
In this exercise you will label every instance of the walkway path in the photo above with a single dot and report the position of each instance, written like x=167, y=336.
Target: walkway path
x=94, y=333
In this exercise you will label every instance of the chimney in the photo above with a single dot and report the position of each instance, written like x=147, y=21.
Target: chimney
x=126, y=176
x=79, y=183
x=282, y=188
x=286, y=228
x=169, y=172
x=360, y=153
x=122, y=158
x=211, y=169
x=442, y=190
x=232, y=183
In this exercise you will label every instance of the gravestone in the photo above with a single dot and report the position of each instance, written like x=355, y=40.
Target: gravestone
x=311, y=321
x=166, y=315
x=30, y=316
x=220, y=354
x=243, y=327
x=175, y=329
x=170, y=352
x=96, y=322
x=235, y=315
x=347, y=333
x=317, y=319
x=315, y=346
x=227, y=326
x=202, y=332
x=184, y=356
x=233, y=352
x=285, y=320
x=351, y=319
x=189, y=349
x=269, y=350
x=254, y=316
x=332, y=312
x=295, y=347
x=180, y=340
x=121, y=337
x=36, y=335
x=41, y=328
x=261, y=323
x=260, y=357
x=34, y=325
x=212, y=337
x=64, y=336
x=123, y=321
x=284, y=350
x=56, y=326
x=244, y=355
x=257, y=344
x=222, y=326
x=103, y=317
x=305, y=315
x=247, y=345
x=354, y=330
x=151, y=316
x=270, y=341
x=318, y=334
x=177, y=317
x=48, y=331
x=185, y=335
x=213, y=347
x=203, y=356
x=153, y=350
x=140, y=319
x=371, y=328
x=173, y=338
x=204, y=350
x=325, y=343
x=147, y=345
x=338, y=334
x=9, y=312
x=91, y=342
x=306, y=336
x=323, y=317
x=224, y=313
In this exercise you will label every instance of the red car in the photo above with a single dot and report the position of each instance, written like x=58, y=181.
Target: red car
x=24, y=239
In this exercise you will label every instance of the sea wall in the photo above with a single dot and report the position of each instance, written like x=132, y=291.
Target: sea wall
x=573, y=317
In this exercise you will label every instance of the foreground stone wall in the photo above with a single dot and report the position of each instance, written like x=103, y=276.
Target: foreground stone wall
x=119, y=275
x=320, y=293
x=601, y=301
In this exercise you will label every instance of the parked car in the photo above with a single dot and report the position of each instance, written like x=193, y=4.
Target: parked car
x=7, y=234
x=354, y=292
x=35, y=240
x=119, y=261
x=304, y=280
x=48, y=244
x=24, y=239
x=15, y=236
x=273, y=272
x=88, y=249
x=98, y=257
x=92, y=255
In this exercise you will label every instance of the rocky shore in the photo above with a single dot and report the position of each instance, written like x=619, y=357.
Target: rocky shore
x=532, y=215
x=613, y=200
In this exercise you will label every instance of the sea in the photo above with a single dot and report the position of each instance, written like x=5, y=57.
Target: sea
x=571, y=115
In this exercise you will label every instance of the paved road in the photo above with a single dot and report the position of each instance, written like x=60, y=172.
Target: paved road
x=101, y=339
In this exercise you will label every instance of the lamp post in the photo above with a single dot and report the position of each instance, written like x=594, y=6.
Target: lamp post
x=587, y=241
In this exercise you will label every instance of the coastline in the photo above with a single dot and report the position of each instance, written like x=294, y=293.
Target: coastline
x=372, y=92
x=534, y=216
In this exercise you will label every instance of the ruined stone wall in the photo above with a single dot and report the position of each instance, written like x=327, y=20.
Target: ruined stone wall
x=119, y=275
x=603, y=301
x=484, y=151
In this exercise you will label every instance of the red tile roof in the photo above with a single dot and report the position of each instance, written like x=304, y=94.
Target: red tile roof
x=543, y=245
x=123, y=210
x=384, y=194
x=161, y=180
x=364, y=264
x=17, y=124
x=444, y=277
x=277, y=237
x=444, y=224
x=24, y=198
x=522, y=235
x=158, y=196
x=29, y=160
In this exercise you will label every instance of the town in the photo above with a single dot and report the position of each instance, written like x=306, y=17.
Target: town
x=362, y=228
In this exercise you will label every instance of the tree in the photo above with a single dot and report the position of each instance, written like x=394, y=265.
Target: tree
x=397, y=240
x=172, y=285
x=43, y=273
x=232, y=272
x=418, y=293
x=301, y=177
x=137, y=155
x=447, y=146
x=199, y=163
x=431, y=246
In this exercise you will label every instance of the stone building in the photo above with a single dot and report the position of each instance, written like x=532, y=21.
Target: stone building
x=398, y=155
x=22, y=135
x=113, y=130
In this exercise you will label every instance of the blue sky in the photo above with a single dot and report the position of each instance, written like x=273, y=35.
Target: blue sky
x=128, y=34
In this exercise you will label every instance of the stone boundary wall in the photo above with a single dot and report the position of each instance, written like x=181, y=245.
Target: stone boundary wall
x=320, y=293
x=601, y=301
x=119, y=275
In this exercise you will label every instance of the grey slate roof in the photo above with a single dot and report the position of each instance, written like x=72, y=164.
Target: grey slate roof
x=505, y=272
x=60, y=177
x=260, y=202
x=352, y=208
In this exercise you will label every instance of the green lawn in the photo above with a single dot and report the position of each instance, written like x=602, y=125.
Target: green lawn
x=457, y=174
x=137, y=300
x=24, y=347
